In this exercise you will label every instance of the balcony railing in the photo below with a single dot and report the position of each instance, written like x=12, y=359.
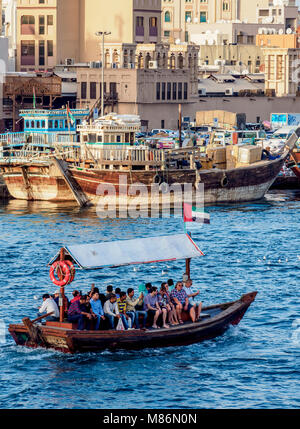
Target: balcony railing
x=153, y=31
x=139, y=31
x=28, y=60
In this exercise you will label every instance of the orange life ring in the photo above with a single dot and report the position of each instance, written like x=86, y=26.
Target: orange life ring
x=65, y=271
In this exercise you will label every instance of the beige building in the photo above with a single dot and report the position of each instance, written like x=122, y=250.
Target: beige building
x=235, y=57
x=282, y=71
x=180, y=16
x=290, y=41
x=51, y=32
x=162, y=76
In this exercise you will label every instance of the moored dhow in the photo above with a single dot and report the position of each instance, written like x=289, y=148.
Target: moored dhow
x=107, y=159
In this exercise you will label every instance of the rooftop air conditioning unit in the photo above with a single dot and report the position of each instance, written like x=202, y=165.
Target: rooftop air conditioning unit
x=152, y=64
x=69, y=61
x=229, y=91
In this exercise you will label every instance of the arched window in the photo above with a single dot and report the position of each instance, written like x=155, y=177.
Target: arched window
x=167, y=17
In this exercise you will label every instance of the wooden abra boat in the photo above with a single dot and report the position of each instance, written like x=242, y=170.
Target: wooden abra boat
x=65, y=337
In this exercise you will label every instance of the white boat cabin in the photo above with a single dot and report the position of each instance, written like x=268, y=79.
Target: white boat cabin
x=112, y=131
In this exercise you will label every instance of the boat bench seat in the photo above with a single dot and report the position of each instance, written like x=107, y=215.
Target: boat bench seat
x=66, y=325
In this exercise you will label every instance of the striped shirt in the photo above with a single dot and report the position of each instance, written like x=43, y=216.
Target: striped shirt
x=122, y=306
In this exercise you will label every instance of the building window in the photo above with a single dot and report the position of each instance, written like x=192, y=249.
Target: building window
x=153, y=27
x=167, y=33
x=93, y=90
x=56, y=124
x=174, y=91
x=163, y=91
x=28, y=53
x=50, y=124
x=38, y=124
x=41, y=52
x=179, y=91
x=185, y=94
x=50, y=48
x=167, y=17
x=169, y=91
x=27, y=25
x=41, y=25
x=139, y=26
x=49, y=19
x=158, y=91
x=203, y=17
x=225, y=6
x=188, y=16
x=83, y=90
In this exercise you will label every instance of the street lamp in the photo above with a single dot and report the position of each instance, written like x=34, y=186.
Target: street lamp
x=103, y=34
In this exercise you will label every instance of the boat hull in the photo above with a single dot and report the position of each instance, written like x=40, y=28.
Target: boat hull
x=220, y=186
x=35, y=182
x=74, y=341
x=44, y=182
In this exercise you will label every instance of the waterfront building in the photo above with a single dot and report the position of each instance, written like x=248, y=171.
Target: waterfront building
x=46, y=36
x=162, y=76
x=282, y=71
x=19, y=91
x=239, y=20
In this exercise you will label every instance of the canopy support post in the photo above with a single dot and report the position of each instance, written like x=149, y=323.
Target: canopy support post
x=188, y=268
x=62, y=290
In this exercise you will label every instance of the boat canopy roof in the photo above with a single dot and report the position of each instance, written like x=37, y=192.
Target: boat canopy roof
x=129, y=252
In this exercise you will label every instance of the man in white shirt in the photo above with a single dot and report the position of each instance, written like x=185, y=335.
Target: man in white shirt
x=49, y=306
x=111, y=310
x=197, y=305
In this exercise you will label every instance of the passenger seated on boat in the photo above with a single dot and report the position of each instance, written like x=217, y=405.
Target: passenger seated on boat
x=170, y=283
x=122, y=306
x=76, y=296
x=56, y=299
x=164, y=300
x=153, y=309
x=131, y=308
x=49, y=306
x=77, y=313
x=197, y=305
x=148, y=286
x=181, y=301
x=109, y=291
x=111, y=311
x=97, y=309
x=117, y=292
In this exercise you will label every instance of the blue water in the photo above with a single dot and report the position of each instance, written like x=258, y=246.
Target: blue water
x=248, y=247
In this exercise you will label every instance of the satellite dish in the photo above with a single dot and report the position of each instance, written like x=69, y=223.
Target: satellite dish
x=280, y=31
x=289, y=31
x=177, y=41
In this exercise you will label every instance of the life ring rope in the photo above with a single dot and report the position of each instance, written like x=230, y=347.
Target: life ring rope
x=65, y=271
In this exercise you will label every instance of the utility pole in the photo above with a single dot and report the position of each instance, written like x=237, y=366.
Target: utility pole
x=103, y=34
